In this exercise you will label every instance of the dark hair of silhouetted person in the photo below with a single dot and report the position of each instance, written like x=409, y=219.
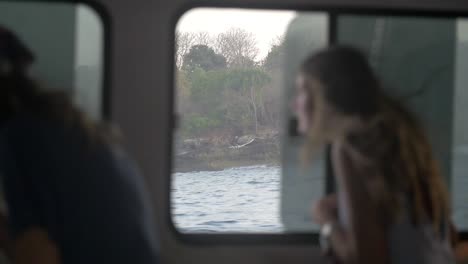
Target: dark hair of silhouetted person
x=21, y=94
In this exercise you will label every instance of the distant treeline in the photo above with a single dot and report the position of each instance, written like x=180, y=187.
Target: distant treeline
x=223, y=88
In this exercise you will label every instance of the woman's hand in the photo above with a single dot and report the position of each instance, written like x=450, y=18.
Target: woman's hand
x=325, y=210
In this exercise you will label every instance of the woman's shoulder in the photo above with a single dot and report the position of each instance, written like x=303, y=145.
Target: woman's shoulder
x=29, y=136
x=53, y=149
x=36, y=129
x=30, y=127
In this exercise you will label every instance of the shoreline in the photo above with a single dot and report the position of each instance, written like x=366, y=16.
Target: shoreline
x=221, y=166
x=209, y=156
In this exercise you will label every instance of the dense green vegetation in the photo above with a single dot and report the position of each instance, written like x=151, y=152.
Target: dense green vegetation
x=223, y=89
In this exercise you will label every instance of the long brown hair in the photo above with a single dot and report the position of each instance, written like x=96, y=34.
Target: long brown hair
x=394, y=141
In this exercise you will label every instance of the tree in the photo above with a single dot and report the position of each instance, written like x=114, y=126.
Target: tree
x=183, y=92
x=203, y=57
x=203, y=38
x=207, y=92
x=238, y=46
x=274, y=59
x=183, y=42
x=249, y=83
x=237, y=113
x=272, y=94
x=272, y=99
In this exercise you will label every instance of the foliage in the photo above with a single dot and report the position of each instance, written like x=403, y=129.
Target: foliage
x=274, y=58
x=183, y=91
x=223, y=89
x=196, y=125
x=184, y=41
x=204, y=57
x=238, y=46
x=241, y=80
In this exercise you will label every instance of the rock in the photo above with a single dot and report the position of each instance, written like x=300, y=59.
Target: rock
x=245, y=139
x=204, y=141
x=191, y=144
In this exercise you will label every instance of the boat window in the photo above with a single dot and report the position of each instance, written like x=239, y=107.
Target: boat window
x=422, y=61
x=67, y=40
x=228, y=146
x=236, y=164
x=460, y=129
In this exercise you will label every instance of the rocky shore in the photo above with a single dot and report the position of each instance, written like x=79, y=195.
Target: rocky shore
x=210, y=154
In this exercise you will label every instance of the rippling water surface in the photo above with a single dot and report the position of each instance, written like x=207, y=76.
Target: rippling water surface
x=246, y=199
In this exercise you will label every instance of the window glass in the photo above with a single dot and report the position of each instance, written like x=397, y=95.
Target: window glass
x=67, y=42
x=406, y=52
x=237, y=158
x=301, y=184
x=230, y=99
x=422, y=62
x=460, y=129
x=89, y=39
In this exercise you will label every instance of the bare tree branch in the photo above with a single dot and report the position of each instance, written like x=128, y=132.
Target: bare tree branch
x=183, y=42
x=238, y=46
x=186, y=40
x=203, y=38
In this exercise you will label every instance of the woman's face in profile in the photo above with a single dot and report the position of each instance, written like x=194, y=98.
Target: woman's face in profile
x=302, y=104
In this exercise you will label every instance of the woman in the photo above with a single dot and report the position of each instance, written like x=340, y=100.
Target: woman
x=391, y=205
x=72, y=194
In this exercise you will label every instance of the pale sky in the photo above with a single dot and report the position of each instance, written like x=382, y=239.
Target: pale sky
x=462, y=30
x=264, y=24
x=90, y=34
